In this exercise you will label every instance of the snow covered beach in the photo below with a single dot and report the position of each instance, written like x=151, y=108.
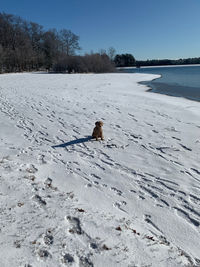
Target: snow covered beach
x=131, y=200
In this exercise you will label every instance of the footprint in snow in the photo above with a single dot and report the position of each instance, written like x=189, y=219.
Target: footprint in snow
x=67, y=259
x=74, y=223
x=43, y=253
x=48, y=238
x=85, y=262
x=117, y=191
x=39, y=200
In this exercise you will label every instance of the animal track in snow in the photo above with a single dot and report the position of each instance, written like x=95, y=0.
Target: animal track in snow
x=67, y=259
x=196, y=171
x=185, y=147
x=117, y=191
x=74, y=225
x=39, y=200
x=95, y=176
x=187, y=217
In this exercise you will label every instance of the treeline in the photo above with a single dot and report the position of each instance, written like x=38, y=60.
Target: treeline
x=26, y=46
x=164, y=62
x=128, y=60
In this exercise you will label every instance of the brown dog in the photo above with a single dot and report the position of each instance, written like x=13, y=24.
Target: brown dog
x=98, y=132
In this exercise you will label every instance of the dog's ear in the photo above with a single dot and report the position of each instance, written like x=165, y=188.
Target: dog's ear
x=101, y=123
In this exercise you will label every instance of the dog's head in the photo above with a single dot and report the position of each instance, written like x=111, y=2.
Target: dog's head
x=99, y=123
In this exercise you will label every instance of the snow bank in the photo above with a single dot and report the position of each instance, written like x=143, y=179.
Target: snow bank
x=131, y=200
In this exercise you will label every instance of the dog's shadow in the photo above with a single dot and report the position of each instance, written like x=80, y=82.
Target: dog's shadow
x=74, y=142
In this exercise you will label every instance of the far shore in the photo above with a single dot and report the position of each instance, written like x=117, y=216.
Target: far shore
x=163, y=66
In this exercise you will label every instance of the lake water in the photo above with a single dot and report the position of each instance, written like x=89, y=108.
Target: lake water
x=182, y=81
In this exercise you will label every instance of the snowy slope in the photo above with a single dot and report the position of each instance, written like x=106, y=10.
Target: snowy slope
x=131, y=200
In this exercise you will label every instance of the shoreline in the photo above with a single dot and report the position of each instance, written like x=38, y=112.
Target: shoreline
x=165, y=89
x=171, y=89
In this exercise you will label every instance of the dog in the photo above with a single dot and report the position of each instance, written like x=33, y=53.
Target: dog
x=98, y=132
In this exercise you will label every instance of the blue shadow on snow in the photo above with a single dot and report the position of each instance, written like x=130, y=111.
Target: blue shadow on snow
x=74, y=142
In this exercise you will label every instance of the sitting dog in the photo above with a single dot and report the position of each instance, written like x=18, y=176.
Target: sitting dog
x=98, y=132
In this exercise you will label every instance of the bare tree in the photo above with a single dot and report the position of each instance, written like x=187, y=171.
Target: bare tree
x=102, y=51
x=111, y=53
x=70, y=42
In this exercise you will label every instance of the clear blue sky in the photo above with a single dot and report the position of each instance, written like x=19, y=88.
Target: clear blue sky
x=145, y=28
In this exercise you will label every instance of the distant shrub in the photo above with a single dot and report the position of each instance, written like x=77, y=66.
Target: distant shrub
x=97, y=63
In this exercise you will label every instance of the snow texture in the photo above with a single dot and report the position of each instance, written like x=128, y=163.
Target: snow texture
x=68, y=200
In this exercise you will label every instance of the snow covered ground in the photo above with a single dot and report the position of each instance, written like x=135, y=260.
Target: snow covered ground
x=131, y=200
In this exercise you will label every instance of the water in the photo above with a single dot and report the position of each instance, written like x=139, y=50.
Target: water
x=181, y=81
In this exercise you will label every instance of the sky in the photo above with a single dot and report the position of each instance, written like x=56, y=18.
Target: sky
x=147, y=29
